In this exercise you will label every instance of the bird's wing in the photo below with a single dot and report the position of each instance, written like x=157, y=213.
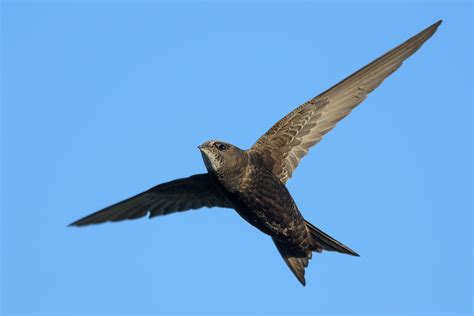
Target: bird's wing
x=175, y=196
x=289, y=140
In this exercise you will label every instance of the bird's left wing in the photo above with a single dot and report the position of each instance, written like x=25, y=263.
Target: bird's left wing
x=175, y=196
x=283, y=146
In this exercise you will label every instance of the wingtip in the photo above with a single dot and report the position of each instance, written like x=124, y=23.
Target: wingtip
x=437, y=24
x=352, y=252
x=78, y=223
x=430, y=30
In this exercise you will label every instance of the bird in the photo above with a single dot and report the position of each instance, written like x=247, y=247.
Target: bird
x=253, y=181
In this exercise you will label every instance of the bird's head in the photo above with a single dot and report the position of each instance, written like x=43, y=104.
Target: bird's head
x=221, y=157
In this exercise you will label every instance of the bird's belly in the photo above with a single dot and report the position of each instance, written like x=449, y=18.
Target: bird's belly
x=262, y=219
x=264, y=202
x=277, y=217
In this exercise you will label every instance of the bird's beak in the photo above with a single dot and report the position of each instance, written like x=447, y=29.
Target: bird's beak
x=203, y=146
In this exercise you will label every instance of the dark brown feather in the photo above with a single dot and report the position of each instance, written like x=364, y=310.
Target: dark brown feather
x=290, y=139
x=175, y=196
x=253, y=181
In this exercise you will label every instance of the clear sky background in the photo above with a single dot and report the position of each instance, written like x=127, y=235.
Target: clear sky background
x=102, y=100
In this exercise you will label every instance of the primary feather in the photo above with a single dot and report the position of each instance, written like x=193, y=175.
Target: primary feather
x=290, y=139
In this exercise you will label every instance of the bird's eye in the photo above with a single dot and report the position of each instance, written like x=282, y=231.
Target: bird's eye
x=221, y=146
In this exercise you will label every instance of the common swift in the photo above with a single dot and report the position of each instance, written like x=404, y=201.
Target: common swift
x=253, y=181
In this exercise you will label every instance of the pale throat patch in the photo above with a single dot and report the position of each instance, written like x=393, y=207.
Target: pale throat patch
x=207, y=162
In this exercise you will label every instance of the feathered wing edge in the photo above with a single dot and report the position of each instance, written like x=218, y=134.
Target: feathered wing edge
x=175, y=196
x=289, y=140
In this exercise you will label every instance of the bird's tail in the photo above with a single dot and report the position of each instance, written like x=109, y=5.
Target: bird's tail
x=295, y=261
x=321, y=241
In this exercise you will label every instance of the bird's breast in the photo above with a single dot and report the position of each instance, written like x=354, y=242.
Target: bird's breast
x=263, y=201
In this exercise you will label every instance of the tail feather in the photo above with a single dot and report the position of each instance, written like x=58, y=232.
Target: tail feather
x=296, y=263
x=326, y=242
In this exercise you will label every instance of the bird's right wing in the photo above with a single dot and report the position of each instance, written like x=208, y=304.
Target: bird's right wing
x=175, y=196
x=290, y=139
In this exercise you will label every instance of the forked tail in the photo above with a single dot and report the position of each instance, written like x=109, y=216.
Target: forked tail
x=296, y=262
x=322, y=241
x=325, y=242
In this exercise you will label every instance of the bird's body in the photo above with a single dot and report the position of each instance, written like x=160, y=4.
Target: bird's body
x=253, y=181
x=263, y=201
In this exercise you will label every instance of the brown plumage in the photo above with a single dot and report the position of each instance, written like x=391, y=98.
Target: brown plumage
x=253, y=181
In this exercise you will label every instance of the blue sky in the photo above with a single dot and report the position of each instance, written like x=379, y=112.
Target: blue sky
x=102, y=100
